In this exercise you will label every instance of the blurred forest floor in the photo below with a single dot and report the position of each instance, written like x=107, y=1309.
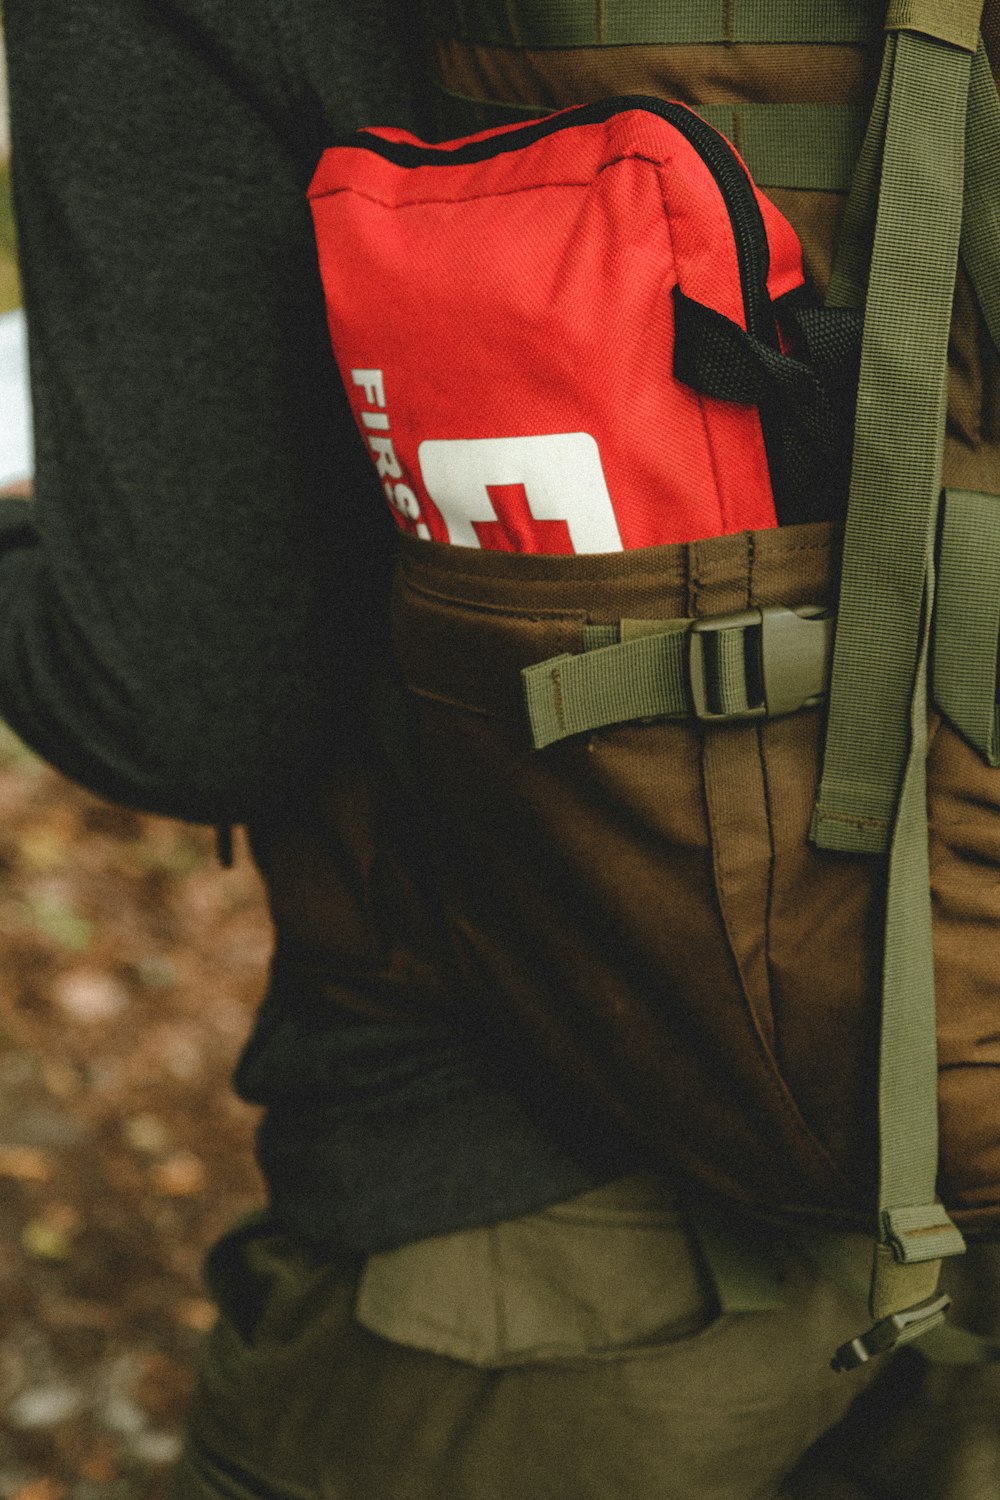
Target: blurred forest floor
x=130, y=965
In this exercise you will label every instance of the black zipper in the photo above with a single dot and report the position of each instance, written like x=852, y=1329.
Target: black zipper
x=749, y=234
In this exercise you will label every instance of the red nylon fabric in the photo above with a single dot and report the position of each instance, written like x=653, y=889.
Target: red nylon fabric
x=504, y=331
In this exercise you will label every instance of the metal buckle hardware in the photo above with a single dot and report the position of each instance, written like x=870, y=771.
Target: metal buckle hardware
x=900, y=1328
x=786, y=668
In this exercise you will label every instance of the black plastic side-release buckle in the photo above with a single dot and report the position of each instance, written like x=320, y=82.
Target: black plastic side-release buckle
x=890, y=1333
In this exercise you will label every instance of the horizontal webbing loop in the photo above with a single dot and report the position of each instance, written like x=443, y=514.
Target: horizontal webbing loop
x=762, y=663
x=919, y=1234
x=616, y=23
x=809, y=146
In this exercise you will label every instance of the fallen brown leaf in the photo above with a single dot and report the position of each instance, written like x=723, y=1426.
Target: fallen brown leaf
x=50, y=1235
x=101, y=1463
x=180, y=1176
x=196, y=1313
x=86, y=995
x=26, y=1163
x=41, y=1489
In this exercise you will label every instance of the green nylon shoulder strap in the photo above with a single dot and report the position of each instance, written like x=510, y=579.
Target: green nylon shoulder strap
x=899, y=431
x=872, y=795
x=981, y=199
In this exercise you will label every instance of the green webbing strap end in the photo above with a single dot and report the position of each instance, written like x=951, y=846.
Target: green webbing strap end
x=856, y=830
x=644, y=678
x=543, y=700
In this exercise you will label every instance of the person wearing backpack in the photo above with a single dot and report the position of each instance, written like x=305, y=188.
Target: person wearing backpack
x=477, y=1273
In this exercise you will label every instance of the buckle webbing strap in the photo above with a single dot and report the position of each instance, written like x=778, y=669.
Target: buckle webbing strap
x=903, y=1297
x=757, y=664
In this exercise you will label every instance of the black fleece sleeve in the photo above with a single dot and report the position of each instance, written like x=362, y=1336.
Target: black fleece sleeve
x=187, y=629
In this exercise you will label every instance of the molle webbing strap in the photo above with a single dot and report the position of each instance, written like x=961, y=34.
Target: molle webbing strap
x=808, y=146
x=617, y=23
x=980, y=212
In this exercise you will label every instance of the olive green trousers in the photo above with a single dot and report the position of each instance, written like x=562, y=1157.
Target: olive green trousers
x=576, y=1354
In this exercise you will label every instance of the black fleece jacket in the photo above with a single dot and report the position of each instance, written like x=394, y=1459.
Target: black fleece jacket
x=185, y=623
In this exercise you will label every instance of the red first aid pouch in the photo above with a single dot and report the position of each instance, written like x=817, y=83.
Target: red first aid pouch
x=584, y=334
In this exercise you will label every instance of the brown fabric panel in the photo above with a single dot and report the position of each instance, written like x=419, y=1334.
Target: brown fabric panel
x=706, y=74
x=816, y=219
x=582, y=882
x=742, y=857
x=641, y=909
x=824, y=947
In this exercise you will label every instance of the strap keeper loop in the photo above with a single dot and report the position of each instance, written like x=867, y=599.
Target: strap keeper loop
x=920, y=1234
x=953, y=21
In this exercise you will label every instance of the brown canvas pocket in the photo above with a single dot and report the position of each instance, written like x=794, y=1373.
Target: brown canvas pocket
x=611, y=898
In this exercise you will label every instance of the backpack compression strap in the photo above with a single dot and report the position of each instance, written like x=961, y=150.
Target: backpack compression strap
x=872, y=795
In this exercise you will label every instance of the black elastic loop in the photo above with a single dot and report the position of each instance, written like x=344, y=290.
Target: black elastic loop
x=807, y=396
